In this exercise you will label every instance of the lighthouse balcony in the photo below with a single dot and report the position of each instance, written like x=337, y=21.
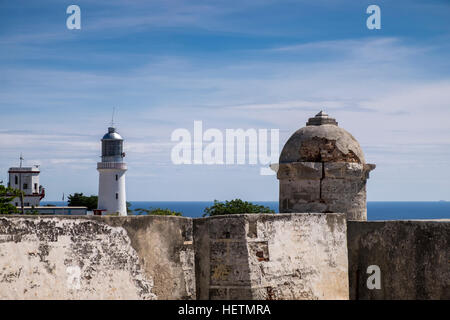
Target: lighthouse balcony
x=112, y=165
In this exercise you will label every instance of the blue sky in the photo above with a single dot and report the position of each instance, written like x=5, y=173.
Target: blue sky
x=232, y=64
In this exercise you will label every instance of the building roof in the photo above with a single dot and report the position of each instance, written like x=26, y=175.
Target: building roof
x=112, y=135
x=50, y=207
x=322, y=141
x=34, y=169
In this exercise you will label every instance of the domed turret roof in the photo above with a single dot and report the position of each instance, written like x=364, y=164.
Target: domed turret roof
x=112, y=135
x=322, y=141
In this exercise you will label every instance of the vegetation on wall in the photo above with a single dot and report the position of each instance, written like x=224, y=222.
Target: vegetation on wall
x=158, y=212
x=235, y=206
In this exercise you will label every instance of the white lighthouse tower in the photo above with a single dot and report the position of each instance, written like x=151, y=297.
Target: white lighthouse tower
x=111, y=187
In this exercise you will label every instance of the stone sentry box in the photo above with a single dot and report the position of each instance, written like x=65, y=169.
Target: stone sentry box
x=271, y=256
x=322, y=169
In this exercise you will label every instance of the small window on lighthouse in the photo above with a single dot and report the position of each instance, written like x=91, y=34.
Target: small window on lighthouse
x=117, y=196
x=117, y=177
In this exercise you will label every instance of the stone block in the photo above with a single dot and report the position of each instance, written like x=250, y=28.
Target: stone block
x=233, y=274
x=218, y=251
x=226, y=229
x=218, y=294
x=315, y=206
x=238, y=252
x=240, y=293
x=344, y=170
x=342, y=189
x=300, y=190
x=300, y=170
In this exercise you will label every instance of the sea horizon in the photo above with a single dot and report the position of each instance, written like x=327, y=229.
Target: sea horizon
x=376, y=210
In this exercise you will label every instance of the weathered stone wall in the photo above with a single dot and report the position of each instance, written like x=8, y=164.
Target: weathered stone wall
x=324, y=187
x=413, y=257
x=271, y=256
x=267, y=256
x=61, y=257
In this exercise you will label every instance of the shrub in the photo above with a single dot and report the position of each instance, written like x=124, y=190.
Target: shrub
x=235, y=206
x=158, y=212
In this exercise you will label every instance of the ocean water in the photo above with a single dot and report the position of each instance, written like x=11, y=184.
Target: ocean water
x=381, y=210
x=376, y=210
x=192, y=209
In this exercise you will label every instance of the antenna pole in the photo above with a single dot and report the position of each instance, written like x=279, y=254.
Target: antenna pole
x=21, y=186
x=112, y=118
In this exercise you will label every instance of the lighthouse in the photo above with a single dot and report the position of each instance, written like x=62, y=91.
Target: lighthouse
x=111, y=186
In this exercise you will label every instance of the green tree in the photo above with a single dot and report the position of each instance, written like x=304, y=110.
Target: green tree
x=158, y=212
x=80, y=200
x=91, y=202
x=7, y=194
x=235, y=206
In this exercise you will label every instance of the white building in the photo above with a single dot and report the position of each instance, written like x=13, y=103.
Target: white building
x=26, y=179
x=56, y=210
x=111, y=188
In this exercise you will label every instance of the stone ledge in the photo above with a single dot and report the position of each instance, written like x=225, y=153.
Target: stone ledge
x=319, y=170
x=347, y=170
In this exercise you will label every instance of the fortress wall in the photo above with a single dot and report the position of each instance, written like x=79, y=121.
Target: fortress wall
x=62, y=257
x=267, y=256
x=271, y=256
x=413, y=257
